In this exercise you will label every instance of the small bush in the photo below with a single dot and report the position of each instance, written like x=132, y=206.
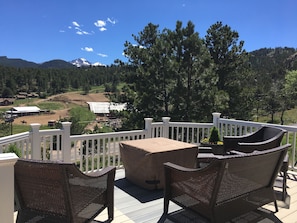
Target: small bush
x=214, y=136
x=13, y=149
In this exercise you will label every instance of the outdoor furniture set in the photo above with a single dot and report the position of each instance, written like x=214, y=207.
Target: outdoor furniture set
x=231, y=184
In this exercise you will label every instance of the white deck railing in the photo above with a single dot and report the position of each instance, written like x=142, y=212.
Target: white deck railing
x=95, y=151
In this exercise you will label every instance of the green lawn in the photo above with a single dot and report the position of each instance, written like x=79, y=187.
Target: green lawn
x=290, y=117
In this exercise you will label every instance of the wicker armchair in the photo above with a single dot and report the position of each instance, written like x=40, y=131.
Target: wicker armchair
x=60, y=192
x=266, y=137
x=228, y=187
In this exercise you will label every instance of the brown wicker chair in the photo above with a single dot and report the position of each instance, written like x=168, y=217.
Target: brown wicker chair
x=228, y=187
x=266, y=137
x=60, y=192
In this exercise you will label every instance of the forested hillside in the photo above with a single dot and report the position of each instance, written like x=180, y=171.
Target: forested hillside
x=49, y=81
x=273, y=62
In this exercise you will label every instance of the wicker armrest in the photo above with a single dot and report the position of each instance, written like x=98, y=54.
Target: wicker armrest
x=106, y=170
x=179, y=168
x=235, y=152
x=184, y=172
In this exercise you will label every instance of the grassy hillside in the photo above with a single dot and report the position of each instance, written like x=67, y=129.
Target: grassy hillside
x=290, y=117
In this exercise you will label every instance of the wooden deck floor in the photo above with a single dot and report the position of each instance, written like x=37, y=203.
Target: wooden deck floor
x=133, y=204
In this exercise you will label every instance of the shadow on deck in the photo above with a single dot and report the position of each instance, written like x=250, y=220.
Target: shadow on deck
x=142, y=195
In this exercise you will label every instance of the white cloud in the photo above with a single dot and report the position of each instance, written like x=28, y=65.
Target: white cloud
x=102, y=55
x=102, y=29
x=81, y=32
x=62, y=31
x=88, y=49
x=111, y=21
x=100, y=23
x=75, y=24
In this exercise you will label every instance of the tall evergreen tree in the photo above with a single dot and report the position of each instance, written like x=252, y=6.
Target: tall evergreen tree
x=195, y=90
x=173, y=74
x=232, y=68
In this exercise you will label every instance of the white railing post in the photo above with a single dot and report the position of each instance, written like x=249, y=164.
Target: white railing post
x=215, y=119
x=148, y=127
x=35, y=150
x=166, y=126
x=66, y=143
x=7, y=161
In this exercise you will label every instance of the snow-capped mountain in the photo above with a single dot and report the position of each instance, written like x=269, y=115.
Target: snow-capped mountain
x=98, y=64
x=82, y=62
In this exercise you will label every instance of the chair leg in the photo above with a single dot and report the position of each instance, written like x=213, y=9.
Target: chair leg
x=166, y=206
x=284, y=194
x=162, y=219
x=110, y=211
x=275, y=205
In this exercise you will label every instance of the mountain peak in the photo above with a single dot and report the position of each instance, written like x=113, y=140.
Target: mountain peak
x=82, y=62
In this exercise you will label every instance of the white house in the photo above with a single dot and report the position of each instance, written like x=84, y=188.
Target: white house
x=106, y=107
x=23, y=110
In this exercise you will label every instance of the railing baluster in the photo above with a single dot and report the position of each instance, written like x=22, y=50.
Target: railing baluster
x=92, y=154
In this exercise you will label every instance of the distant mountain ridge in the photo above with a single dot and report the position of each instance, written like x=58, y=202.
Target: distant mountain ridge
x=263, y=59
x=57, y=63
x=15, y=62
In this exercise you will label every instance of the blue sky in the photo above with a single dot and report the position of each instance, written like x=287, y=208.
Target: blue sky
x=43, y=30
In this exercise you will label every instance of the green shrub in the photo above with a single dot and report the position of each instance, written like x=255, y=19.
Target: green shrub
x=12, y=148
x=214, y=136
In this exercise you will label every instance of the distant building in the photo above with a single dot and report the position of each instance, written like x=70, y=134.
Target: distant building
x=24, y=95
x=104, y=108
x=23, y=111
x=6, y=101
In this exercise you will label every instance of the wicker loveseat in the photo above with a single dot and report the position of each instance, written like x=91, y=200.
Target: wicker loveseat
x=60, y=192
x=264, y=138
x=228, y=187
